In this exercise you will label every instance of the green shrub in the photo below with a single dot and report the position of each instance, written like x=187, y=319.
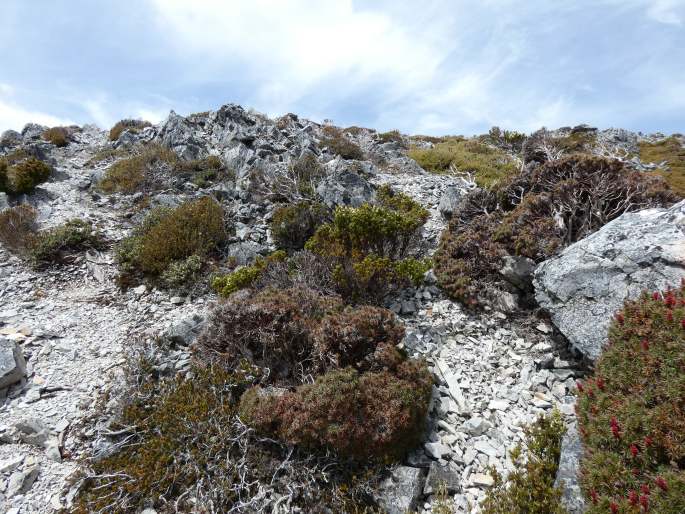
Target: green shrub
x=245, y=276
x=489, y=165
x=292, y=225
x=134, y=126
x=393, y=136
x=671, y=150
x=167, y=235
x=58, y=136
x=632, y=411
x=180, y=274
x=203, y=172
x=19, y=174
x=56, y=244
x=368, y=245
x=506, y=139
x=374, y=415
x=18, y=227
x=340, y=144
x=529, y=488
x=140, y=171
x=536, y=214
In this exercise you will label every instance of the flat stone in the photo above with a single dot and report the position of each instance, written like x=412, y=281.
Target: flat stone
x=475, y=426
x=436, y=450
x=438, y=476
x=12, y=363
x=482, y=480
x=400, y=493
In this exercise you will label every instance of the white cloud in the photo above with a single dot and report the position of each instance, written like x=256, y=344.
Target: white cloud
x=669, y=12
x=14, y=116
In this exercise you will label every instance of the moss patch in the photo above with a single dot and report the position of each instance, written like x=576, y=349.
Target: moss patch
x=671, y=150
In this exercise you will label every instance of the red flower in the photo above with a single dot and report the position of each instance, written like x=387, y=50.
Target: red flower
x=645, y=489
x=670, y=299
x=579, y=384
x=634, y=450
x=644, y=501
x=655, y=295
x=600, y=383
x=632, y=497
x=645, y=344
x=682, y=323
x=594, y=496
x=661, y=483
x=613, y=421
x=615, y=430
x=648, y=442
x=613, y=507
x=619, y=318
x=669, y=316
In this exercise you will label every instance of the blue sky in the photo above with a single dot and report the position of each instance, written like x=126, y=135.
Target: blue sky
x=433, y=67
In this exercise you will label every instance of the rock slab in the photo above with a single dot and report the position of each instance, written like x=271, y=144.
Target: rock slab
x=588, y=282
x=568, y=472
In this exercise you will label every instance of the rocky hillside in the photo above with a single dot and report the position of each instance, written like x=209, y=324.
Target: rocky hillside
x=353, y=319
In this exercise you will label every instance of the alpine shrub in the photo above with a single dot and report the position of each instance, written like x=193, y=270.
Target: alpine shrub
x=671, y=151
x=167, y=235
x=292, y=225
x=57, y=244
x=245, y=276
x=58, y=136
x=340, y=144
x=632, y=411
x=369, y=245
x=530, y=486
x=535, y=214
x=142, y=171
x=134, y=126
x=373, y=415
x=19, y=175
x=18, y=227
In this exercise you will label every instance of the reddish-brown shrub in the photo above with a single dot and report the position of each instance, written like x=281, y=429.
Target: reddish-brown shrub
x=632, y=411
x=537, y=213
x=18, y=227
x=377, y=415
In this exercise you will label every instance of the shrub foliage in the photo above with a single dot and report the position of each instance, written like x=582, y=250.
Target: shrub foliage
x=292, y=225
x=142, y=171
x=529, y=487
x=167, y=236
x=128, y=124
x=632, y=411
x=489, y=165
x=21, y=173
x=18, y=227
x=672, y=151
x=338, y=143
x=57, y=244
x=537, y=213
x=58, y=136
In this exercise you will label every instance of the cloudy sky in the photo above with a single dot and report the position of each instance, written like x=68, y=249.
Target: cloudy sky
x=434, y=67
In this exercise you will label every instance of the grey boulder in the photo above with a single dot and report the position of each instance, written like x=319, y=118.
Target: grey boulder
x=450, y=200
x=345, y=188
x=401, y=491
x=12, y=363
x=584, y=286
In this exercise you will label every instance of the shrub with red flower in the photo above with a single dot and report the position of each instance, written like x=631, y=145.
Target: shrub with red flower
x=633, y=423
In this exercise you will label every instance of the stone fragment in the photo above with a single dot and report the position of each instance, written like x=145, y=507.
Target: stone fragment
x=438, y=476
x=401, y=491
x=12, y=363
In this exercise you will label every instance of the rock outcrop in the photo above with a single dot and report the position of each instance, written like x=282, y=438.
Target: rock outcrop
x=588, y=282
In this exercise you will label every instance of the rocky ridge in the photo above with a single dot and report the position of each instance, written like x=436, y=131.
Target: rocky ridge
x=494, y=371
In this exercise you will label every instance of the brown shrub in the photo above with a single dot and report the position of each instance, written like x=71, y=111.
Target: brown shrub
x=20, y=173
x=18, y=227
x=378, y=415
x=144, y=171
x=58, y=136
x=292, y=225
x=128, y=124
x=340, y=144
x=537, y=213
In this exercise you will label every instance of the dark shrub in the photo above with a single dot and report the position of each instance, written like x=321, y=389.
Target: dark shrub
x=340, y=144
x=18, y=227
x=379, y=415
x=632, y=411
x=131, y=125
x=19, y=174
x=167, y=235
x=143, y=171
x=56, y=244
x=510, y=140
x=530, y=486
x=393, y=136
x=271, y=329
x=58, y=136
x=203, y=172
x=537, y=213
x=368, y=245
x=293, y=225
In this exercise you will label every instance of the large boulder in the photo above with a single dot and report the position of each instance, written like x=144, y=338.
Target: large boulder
x=12, y=363
x=182, y=136
x=588, y=282
x=401, y=491
x=345, y=188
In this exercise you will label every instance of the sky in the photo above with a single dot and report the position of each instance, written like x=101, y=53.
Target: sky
x=430, y=67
